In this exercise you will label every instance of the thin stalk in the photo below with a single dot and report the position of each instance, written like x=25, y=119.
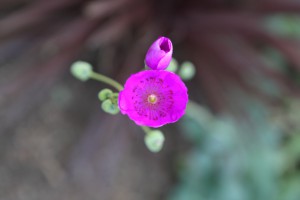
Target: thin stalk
x=107, y=80
x=146, y=129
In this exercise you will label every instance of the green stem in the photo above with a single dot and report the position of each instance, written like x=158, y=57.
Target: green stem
x=146, y=129
x=107, y=80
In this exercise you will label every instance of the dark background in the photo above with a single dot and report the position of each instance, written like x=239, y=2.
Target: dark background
x=239, y=139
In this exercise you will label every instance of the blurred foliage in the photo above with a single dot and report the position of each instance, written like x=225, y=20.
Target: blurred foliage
x=235, y=161
x=283, y=24
x=245, y=159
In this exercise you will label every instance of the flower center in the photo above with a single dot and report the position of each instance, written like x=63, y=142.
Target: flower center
x=152, y=98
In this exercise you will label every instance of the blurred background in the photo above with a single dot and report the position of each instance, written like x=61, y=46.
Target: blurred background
x=239, y=139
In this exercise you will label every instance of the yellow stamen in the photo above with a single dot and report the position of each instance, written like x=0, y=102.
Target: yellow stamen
x=152, y=98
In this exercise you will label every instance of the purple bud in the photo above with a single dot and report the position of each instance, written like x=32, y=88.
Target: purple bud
x=159, y=54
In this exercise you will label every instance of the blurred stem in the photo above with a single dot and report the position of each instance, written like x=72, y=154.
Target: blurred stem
x=146, y=129
x=107, y=80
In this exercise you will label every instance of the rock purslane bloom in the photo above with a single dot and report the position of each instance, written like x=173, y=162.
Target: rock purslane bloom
x=153, y=98
x=159, y=54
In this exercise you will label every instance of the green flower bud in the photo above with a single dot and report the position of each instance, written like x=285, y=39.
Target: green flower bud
x=104, y=94
x=187, y=70
x=114, y=98
x=81, y=70
x=109, y=107
x=173, y=66
x=154, y=140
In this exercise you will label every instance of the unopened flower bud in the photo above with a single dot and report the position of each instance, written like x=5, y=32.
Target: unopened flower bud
x=187, y=71
x=154, y=140
x=104, y=94
x=173, y=66
x=109, y=107
x=81, y=70
x=114, y=98
x=159, y=54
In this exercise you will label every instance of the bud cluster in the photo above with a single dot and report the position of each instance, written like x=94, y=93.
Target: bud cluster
x=109, y=101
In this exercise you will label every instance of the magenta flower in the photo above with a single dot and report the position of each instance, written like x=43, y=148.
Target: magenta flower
x=159, y=54
x=153, y=98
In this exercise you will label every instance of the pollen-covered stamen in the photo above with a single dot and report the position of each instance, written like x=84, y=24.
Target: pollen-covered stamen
x=152, y=98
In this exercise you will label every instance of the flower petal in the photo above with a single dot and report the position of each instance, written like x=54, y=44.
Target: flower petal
x=167, y=87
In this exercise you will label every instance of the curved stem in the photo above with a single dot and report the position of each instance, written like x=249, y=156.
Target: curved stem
x=107, y=80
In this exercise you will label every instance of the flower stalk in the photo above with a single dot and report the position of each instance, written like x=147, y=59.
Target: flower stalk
x=107, y=80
